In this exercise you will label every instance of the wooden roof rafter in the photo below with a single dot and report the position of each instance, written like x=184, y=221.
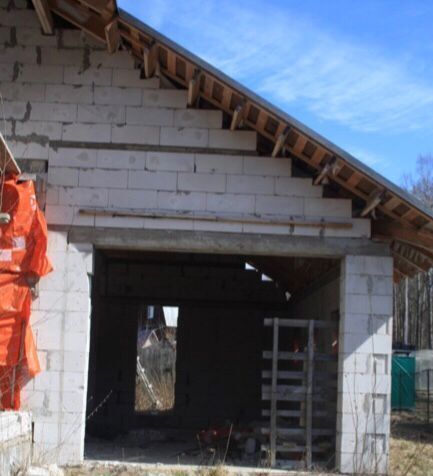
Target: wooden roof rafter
x=158, y=54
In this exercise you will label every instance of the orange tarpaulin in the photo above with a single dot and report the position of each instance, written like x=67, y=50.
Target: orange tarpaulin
x=23, y=260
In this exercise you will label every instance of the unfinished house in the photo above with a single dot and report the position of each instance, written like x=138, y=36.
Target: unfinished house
x=220, y=271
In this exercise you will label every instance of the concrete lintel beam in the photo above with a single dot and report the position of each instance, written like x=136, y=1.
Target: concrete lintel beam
x=226, y=243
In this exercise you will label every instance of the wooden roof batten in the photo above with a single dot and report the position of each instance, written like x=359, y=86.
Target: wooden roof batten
x=159, y=55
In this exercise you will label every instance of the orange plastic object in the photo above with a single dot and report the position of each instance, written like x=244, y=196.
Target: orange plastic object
x=23, y=260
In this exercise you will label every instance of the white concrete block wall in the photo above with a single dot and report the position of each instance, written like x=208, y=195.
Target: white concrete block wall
x=113, y=139
x=365, y=346
x=61, y=325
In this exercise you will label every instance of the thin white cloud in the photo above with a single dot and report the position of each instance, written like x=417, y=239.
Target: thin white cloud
x=369, y=158
x=291, y=60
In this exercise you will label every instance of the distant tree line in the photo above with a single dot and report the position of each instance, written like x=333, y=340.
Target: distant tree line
x=413, y=309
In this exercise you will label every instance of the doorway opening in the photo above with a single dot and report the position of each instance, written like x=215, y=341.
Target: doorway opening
x=179, y=371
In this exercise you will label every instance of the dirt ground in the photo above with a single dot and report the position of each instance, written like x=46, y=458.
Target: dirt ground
x=411, y=454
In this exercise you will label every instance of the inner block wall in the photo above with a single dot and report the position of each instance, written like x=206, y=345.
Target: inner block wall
x=365, y=347
x=60, y=321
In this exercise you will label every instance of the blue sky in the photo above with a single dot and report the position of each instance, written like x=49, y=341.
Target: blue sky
x=358, y=72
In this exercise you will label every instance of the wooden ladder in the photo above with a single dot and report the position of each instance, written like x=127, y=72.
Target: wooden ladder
x=288, y=438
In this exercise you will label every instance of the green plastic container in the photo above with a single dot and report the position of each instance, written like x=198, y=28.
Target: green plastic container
x=403, y=383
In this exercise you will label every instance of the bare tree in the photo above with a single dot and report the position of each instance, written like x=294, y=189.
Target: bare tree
x=413, y=301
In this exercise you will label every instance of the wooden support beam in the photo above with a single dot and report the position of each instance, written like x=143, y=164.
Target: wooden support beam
x=238, y=115
x=44, y=14
x=112, y=36
x=332, y=167
x=410, y=263
x=375, y=199
x=150, y=60
x=382, y=230
x=194, y=88
x=280, y=142
x=273, y=419
x=309, y=396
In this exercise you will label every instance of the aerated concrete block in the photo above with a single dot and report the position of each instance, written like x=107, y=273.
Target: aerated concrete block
x=118, y=96
x=63, y=176
x=62, y=57
x=193, y=182
x=328, y=207
x=86, y=132
x=132, y=199
x=250, y=184
x=268, y=204
x=147, y=180
x=85, y=197
x=178, y=136
x=70, y=94
x=53, y=112
x=127, y=78
x=76, y=75
x=230, y=203
x=149, y=116
x=23, y=92
x=127, y=134
x=121, y=159
x=34, y=37
x=218, y=163
x=180, y=201
x=267, y=166
x=103, y=178
x=101, y=114
x=71, y=157
x=29, y=73
x=170, y=161
x=237, y=140
x=297, y=187
x=171, y=98
x=201, y=118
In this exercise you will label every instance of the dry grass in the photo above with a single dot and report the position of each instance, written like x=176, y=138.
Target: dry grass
x=411, y=445
x=164, y=392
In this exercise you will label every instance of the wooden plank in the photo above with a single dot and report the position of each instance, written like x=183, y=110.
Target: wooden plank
x=302, y=323
x=293, y=448
x=289, y=375
x=273, y=419
x=194, y=88
x=298, y=413
x=112, y=36
x=294, y=397
x=375, y=199
x=309, y=395
x=299, y=356
x=44, y=15
x=188, y=215
x=300, y=432
x=150, y=60
x=238, y=115
x=81, y=17
x=395, y=231
x=280, y=142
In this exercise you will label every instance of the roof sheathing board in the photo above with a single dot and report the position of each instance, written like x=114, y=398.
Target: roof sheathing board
x=358, y=166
